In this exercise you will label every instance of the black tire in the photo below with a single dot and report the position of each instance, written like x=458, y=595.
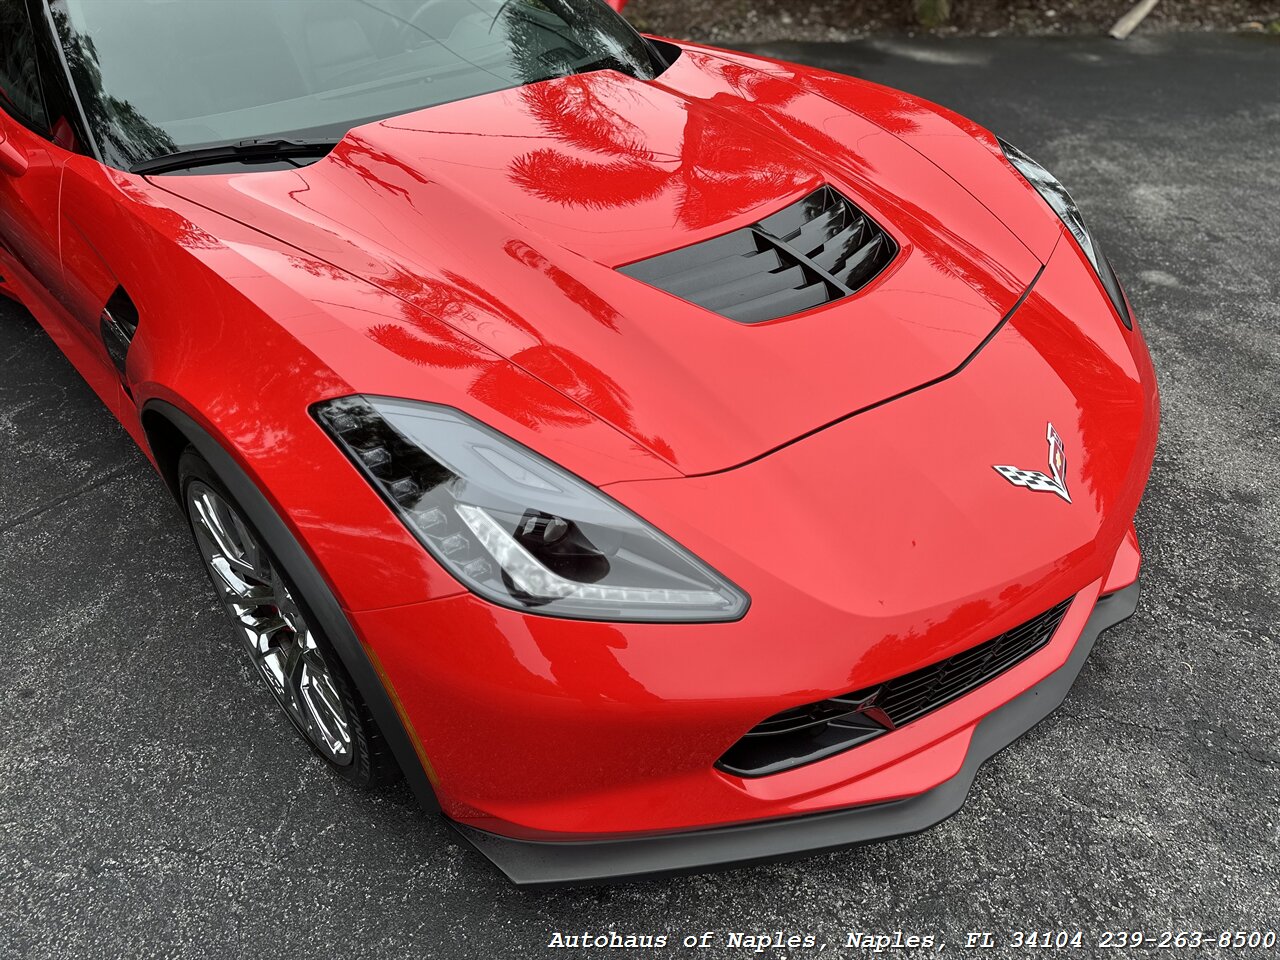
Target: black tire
x=370, y=762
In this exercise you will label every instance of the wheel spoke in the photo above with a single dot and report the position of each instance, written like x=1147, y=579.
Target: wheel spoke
x=294, y=661
x=258, y=595
x=269, y=632
x=327, y=695
x=322, y=690
x=251, y=553
x=241, y=588
x=271, y=623
x=325, y=707
x=215, y=526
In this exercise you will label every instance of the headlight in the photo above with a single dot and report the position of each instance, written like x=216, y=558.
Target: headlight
x=515, y=528
x=1055, y=194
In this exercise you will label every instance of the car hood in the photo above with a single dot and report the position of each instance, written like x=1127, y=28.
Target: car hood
x=507, y=216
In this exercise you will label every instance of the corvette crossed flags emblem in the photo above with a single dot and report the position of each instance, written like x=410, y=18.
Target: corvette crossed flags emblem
x=1053, y=482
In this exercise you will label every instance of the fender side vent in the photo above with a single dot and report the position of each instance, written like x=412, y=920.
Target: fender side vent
x=814, y=252
x=118, y=326
x=819, y=730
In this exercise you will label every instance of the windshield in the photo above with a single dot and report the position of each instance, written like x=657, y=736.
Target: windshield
x=159, y=76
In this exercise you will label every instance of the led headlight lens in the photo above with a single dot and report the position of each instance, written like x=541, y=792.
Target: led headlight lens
x=515, y=528
x=1056, y=195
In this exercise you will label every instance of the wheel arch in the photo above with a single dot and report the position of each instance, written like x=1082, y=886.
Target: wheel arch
x=168, y=431
x=166, y=442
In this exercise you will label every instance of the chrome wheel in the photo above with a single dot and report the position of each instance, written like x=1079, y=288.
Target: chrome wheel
x=271, y=623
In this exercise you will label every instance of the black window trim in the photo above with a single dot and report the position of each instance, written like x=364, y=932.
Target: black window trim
x=10, y=109
x=52, y=58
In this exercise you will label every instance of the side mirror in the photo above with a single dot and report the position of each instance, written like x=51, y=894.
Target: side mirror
x=13, y=159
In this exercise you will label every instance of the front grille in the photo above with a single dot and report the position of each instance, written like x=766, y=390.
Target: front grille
x=818, y=730
x=816, y=251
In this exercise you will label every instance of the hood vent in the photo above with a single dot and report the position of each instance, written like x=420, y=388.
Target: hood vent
x=814, y=252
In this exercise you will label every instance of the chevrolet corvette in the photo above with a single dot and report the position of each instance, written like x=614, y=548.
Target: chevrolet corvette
x=663, y=458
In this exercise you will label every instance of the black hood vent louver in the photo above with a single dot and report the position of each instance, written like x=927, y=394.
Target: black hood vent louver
x=814, y=252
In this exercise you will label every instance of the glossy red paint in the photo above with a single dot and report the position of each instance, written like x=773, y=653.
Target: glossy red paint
x=837, y=465
x=704, y=150
x=872, y=548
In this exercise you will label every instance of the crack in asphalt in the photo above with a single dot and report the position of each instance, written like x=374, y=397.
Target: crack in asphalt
x=35, y=512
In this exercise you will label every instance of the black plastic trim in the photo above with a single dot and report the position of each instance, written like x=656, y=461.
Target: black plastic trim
x=320, y=599
x=68, y=103
x=812, y=732
x=664, y=51
x=1115, y=290
x=537, y=864
x=117, y=326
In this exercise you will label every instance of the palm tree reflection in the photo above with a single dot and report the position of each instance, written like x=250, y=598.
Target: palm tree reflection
x=718, y=169
x=716, y=172
x=124, y=135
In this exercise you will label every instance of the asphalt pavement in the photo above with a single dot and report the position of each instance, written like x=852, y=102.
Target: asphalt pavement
x=153, y=802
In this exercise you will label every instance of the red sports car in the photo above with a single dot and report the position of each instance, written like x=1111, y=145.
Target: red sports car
x=662, y=457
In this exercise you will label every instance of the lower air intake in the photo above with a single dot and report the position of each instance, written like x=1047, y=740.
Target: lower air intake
x=814, y=252
x=819, y=730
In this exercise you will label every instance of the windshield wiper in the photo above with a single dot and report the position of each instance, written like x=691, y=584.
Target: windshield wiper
x=242, y=151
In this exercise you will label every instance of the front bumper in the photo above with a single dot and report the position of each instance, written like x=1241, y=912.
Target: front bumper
x=534, y=863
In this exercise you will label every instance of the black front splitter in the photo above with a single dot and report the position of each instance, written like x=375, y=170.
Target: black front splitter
x=539, y=863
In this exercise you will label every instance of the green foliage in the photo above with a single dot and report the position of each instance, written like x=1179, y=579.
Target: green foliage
x=933, y=13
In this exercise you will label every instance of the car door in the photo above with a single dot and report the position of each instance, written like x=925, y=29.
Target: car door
x=61, y=277
x=30, y=178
